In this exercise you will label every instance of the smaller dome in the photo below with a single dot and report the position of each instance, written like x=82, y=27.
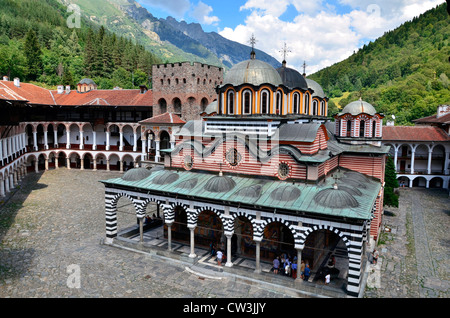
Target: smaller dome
x=188, y=184
x=87, y=81
x=359, y=107
x=349, y=181
x=285, y=193
x=335, y=198
x=254, y=72
x=165, y=177
x=318, y=91
x=253, y=191
x=136, y=174
x=292, y=78
x=220, y=184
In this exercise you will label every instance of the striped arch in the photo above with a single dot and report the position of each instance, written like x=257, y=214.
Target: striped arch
x=288, y=224
x=113, y=202
x=169, y=211
x=252, y=220
x=305, y=234
x=194, y=213
x=143, y=205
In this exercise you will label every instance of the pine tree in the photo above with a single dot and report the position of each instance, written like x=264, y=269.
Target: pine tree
x=391, y=182
x=89, y=54
x=32, y=50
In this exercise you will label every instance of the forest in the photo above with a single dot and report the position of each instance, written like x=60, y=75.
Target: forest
x=403, y=73
x=37, y=45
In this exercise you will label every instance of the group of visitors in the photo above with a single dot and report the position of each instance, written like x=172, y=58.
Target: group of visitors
x=287, y=266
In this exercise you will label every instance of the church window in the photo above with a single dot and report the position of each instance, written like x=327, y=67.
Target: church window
x=188, y=162
x=279, y=103
x=233, y=157
x=374, y=128
x=362, y=128
x=322, y=108
x=296, y=106
x=283, y=170
x=349, y=128
x=246, y=102
x=230, y=102
x=264, y=102
x=306, y=104
x=315, y=107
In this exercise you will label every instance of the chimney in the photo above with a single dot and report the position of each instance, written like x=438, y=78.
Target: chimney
x=67, y=89
x=17, y=82
x=5, y=78
x=60, y=89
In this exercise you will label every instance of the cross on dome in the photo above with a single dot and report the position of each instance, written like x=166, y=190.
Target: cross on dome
x=285, y=50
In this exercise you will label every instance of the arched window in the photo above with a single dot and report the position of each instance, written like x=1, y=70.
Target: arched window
x=315, y=107
x=279, y=103
x=265, y=102
x=374, y=128
x=296, y=103
x=230, y=102
x=322, y=108
x=349, y=128
x=362, y=128
x=246, y=102
x=306, y=109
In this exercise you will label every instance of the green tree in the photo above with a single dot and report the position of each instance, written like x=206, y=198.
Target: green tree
x=32, y=50
x=391, y=182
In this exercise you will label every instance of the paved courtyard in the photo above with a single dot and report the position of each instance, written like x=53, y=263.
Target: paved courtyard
x=51, y=233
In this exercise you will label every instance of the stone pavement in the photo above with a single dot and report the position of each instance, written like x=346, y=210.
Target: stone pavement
x=414, y=248
x=52, y=228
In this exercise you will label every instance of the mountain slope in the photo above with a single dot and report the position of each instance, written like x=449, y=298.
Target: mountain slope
x=403, y=73
x=172, y=41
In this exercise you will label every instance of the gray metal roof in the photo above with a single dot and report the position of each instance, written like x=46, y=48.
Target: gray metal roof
x=292, y=78
x=358, y=107
x=254, y=72
x=318, y=91
x=87, y=81
x=274, y=194
x=335, y=198
x=305, y=132
x=136, y=174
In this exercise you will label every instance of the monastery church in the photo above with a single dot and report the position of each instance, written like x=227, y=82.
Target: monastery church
x=245, y=159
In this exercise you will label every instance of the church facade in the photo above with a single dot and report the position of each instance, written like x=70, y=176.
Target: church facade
x=263, y=173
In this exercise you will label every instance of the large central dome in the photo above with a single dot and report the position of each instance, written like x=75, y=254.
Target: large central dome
x=254, y=72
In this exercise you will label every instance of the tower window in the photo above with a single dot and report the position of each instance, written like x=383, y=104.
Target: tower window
x=362, y=128
x=247, y=102
x=264, y=102
x=230, y=102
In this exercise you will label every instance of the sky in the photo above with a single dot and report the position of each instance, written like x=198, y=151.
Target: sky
x=318, y=33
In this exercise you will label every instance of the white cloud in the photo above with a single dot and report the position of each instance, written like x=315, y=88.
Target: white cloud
x=201, y=12
x=318, y=34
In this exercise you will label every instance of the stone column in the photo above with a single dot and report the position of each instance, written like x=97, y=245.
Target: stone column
x=134, y=141
x=55, y=138
x=35, y=145
x=121, y=140
x=94, y=140
x=68, y=162
x=45, y=140
x=107, y=165
x=107, y=140
x=413, y=151
x=258, y=257
x=95, y=164
x=169, y=236
x=36, y=165
x=299, y=264
x=192, y=242
x=430, y=153
x=395, y=157
x=46, y=163
x=141, y=230
x=56, y=162
x=81, y=139
x=143, y=149
x=157, y=153
x=229, y=263
x=68, y=138
x=2, y=188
